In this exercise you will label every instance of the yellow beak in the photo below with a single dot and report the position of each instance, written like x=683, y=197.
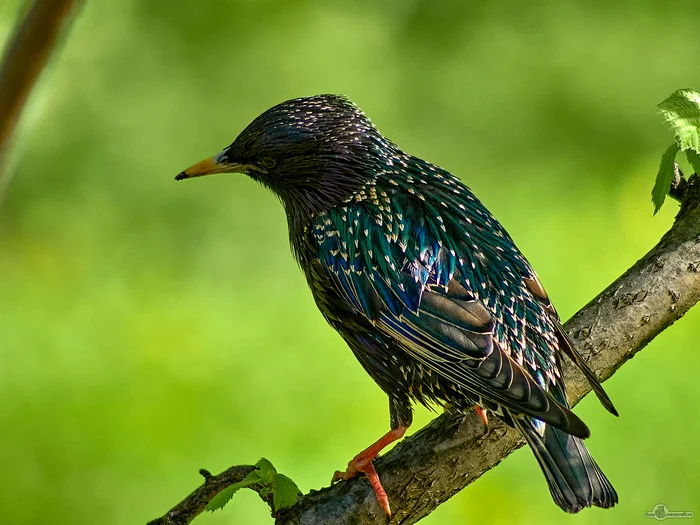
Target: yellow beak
x=215, y=164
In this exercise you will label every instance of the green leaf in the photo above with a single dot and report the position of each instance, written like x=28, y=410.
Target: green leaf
x=267, y=472
x=285, y=492
x=222, y=498
x=694, y=159
x=664, y=177
x=682, y=110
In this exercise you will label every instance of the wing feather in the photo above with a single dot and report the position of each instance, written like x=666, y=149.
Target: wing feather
x=459, y=310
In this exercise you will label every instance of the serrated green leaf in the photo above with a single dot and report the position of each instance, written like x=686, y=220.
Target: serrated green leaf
x=682, y=111
x=222, y=498
x=285, y=492
x=664, y=177
x=267, y=471
x=694, y=159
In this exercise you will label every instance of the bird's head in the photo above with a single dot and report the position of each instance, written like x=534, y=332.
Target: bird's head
x=313, y=152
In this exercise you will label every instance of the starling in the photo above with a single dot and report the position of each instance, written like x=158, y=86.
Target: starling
x=422, y=282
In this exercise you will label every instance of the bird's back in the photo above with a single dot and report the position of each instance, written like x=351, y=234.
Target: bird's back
x=433, y=279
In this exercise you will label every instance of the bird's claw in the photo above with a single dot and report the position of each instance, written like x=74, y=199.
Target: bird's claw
x=481, y=412
x=360, y=465
x=342, y=475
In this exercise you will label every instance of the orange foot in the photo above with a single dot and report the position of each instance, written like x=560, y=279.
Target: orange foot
x=362, y=464
x=482, y=414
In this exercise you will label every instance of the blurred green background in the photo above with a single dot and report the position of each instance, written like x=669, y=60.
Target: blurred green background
x=151, y=328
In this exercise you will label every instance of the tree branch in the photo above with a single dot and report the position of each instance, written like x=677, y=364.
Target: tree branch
x=195, y=503
x=25, y=55
x=428, y=468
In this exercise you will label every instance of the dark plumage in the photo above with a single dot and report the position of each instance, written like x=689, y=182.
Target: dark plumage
x=422, y=282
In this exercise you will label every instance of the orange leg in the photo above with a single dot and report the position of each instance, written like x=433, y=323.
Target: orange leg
x=482, y=415
x=362, y=464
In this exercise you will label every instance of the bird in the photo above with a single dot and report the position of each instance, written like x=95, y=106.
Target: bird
x=425, y=286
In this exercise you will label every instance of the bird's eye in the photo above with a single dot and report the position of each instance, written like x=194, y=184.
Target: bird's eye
x=267, y=162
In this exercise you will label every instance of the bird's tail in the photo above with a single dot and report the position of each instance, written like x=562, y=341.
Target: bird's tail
x=574, y=478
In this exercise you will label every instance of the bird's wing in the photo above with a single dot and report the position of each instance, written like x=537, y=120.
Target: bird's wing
x=457, y=303
x=566, y=344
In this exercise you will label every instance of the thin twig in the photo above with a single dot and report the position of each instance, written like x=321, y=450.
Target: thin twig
x=194, y=504
x=678, y=184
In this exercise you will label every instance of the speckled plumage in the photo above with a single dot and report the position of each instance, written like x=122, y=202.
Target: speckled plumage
x=422, y=282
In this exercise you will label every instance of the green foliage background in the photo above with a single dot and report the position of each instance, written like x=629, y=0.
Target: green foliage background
x=150, y=328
